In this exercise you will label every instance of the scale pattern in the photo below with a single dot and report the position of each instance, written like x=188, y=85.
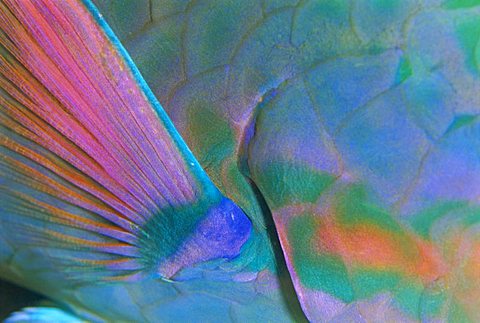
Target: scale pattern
x=358, y=121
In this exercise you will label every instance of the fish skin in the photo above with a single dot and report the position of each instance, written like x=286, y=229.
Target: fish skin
x=41, y=255
x=393, y=89
x=448, y=147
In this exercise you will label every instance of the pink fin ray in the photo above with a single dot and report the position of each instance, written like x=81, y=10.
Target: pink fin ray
x=85, y=158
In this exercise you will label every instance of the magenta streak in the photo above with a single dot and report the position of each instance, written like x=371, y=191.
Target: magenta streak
x=119, y=173
x=84, y=166
x=137, y=152
x=75, y=132
x=133, y=99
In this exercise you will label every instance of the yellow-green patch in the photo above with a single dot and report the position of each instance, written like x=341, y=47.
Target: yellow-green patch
x=457, y=4
x=284, y=183
x=353, y=206
x=317, y=271
x=468, y=33
x=212, y=137
x=404, y=70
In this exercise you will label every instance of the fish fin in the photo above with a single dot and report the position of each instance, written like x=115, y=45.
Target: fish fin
x=42, y=314
x=92, y=171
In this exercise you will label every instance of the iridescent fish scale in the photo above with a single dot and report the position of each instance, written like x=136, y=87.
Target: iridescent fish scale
x=392, y=89
x=355, y=121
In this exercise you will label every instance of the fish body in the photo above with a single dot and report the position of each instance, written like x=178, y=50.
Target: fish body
x=347, y=129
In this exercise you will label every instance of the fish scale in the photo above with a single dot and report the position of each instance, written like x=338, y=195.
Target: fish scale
x=365, y=159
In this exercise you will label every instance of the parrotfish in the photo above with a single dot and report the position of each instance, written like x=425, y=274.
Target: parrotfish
x=244, y=161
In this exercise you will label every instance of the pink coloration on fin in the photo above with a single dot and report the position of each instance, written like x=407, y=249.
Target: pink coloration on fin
x=85, y=159
x=82, y=92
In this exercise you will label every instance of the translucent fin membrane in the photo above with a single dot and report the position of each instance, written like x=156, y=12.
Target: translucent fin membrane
x=86, y=158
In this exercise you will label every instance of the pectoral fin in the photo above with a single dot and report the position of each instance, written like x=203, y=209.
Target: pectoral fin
x=93, y=174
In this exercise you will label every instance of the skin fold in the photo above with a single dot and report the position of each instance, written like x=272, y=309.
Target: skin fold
x=353, y=120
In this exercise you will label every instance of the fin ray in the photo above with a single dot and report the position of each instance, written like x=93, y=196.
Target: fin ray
x=87, y=156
